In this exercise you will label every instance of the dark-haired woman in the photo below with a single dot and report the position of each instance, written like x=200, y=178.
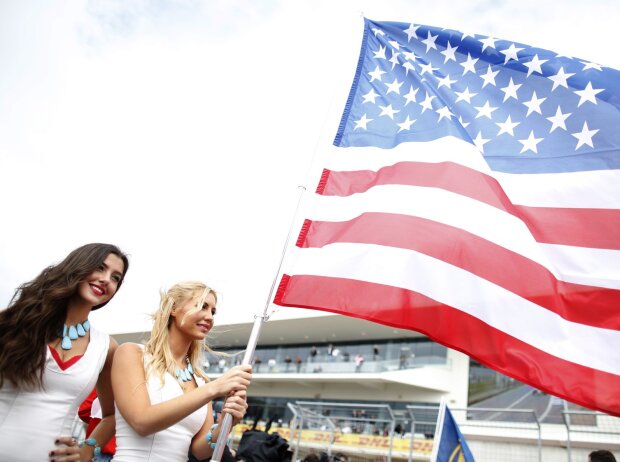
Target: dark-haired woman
x=50, y=357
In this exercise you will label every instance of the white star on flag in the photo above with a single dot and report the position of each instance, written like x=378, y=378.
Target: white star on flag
x=429, y=41
x=469, y=65
x=479, y=141
x=376, y=74
x=380, y=54
x=388, y=111
x=449, y=53
x=530, y=144
x=535, y=65
x=361, y=123
x=485, y=110
x=394, y=87
x=588, y=94
x=444, y=111
x=511, y=53
x=489, y=77
x=465, y=95
x=510, y=90
x=557, y=121
x=411, y=95
x=560, y=79
x=406, y=125
x=507, y=127
x=533, y=105
x=411, y=32
x=585, y=136
x=427, y=103
x=370, y=96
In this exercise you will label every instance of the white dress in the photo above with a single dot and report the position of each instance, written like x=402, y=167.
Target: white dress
x=169, y=445
x=30, y=421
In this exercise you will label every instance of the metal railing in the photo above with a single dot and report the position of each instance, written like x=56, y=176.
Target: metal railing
x=368, y=432
x=588, y=427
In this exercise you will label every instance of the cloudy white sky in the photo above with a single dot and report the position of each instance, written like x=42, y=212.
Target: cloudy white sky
x=180, y=130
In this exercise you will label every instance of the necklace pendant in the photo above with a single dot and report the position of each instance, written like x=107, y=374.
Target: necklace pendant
x=71, y=333
x=66, y=343
x=185, y=375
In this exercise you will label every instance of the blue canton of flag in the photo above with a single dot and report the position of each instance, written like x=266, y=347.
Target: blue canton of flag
x=449, y=441
x=522, y=107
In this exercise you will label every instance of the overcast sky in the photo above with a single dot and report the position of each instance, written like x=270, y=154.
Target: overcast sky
x=180, y=130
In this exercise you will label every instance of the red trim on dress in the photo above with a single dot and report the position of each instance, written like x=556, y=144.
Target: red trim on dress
x=64, y=365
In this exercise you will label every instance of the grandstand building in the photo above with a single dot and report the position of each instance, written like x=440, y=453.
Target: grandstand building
x=343, y=373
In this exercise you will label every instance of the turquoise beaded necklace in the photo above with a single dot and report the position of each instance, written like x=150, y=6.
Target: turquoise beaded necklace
x=185, y=375
x=71, y=333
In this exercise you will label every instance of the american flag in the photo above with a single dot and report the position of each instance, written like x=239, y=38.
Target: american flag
x=473, y=194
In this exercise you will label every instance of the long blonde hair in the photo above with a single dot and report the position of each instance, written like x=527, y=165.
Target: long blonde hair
x=157, y=349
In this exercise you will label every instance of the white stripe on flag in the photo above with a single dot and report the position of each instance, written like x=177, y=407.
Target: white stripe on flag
x=588, y=189
x=473, y=216
x=597, y=348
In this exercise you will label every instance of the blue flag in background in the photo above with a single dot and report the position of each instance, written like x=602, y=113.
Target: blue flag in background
x=452, y=446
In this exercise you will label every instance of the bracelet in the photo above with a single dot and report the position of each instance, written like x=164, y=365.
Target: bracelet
x=209, y=436
x=92, y=442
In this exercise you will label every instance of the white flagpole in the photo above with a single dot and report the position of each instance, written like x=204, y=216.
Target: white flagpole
x=438, y=429
x=259, y=320
x=226, y=424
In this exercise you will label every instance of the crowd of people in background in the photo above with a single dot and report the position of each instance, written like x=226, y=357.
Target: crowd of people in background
x=315, y=359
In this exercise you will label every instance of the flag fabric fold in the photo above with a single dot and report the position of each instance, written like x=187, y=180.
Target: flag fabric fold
x=473, y=194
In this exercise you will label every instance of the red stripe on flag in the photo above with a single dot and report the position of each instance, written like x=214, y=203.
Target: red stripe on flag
x=303, y=233
x=594, y=228
x=589, y=305
x=320, y=188
x=406, y=309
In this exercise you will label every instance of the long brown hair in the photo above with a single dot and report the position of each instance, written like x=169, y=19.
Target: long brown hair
x=37, y=312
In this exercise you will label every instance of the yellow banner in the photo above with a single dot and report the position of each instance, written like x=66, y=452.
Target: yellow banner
x=354, y=440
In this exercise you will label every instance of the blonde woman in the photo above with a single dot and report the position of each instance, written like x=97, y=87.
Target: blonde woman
x=163, y=398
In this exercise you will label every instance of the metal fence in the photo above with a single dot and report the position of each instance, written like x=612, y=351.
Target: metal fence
x=594, y=429
x=356, y=432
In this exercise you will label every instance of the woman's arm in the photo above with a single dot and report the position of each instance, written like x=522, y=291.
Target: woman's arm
x=106, y=428
x=235, y=405
x=132, y=399
x=199, y=446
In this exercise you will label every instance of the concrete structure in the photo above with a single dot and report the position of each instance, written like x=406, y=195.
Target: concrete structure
x=430, y=373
